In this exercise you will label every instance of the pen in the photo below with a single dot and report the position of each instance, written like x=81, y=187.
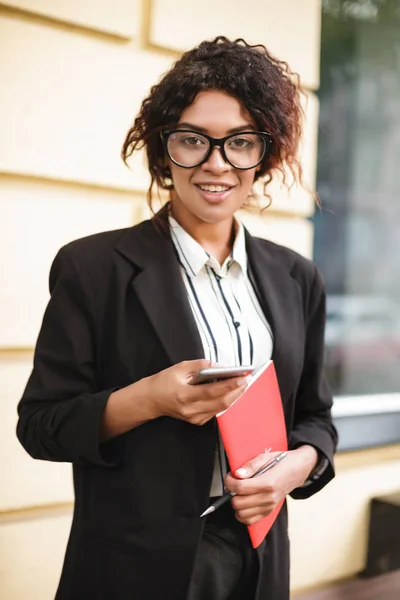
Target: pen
x=230, y=495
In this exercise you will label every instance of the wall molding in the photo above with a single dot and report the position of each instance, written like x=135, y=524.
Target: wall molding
x=133, y=194
x=30, y=16
x=72, y=183
x=20, y=352
x=367, y=457
x=45, y=511
x=147, y=10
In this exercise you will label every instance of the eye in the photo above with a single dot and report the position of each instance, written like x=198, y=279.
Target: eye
x=241, y=142
x=192, y=140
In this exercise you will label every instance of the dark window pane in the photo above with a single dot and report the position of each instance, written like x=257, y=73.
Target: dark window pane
x=357, y=233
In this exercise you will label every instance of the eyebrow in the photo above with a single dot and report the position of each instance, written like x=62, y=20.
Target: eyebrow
x=245, y=127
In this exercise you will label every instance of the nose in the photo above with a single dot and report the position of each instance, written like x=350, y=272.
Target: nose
x=216, y=163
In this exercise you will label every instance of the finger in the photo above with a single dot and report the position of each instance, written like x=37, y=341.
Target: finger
x=249, y=519
x=252, y=466
x=213, y=406
x=253, y=501
x=191, y=367
x=262, y=484
x=218, y=389
x=200, y=411
x=255, y=511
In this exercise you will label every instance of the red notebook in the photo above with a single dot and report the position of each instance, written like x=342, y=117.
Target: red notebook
x=253, y=424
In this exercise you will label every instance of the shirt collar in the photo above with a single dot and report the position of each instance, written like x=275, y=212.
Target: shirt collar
x=193, y=257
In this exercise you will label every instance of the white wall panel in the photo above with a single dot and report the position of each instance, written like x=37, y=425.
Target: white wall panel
x=24, y=481
x=36, y=219
x=31, y=557
x=289, y=29
x=67, y=103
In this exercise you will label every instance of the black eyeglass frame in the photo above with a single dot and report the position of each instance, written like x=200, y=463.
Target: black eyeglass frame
x=215, y=143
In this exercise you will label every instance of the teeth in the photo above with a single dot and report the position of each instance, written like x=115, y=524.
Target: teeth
x=214, y=188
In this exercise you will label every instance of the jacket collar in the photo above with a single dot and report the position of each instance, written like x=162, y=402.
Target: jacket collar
x=193, y=257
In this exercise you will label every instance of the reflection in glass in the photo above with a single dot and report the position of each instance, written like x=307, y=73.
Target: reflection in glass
x=357, y=233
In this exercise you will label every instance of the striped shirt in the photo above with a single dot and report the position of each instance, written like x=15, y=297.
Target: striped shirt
x=230, y=321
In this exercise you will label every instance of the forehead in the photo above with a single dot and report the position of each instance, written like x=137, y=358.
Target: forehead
x=217, y=112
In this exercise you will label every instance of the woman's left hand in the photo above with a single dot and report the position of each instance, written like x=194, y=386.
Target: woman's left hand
x=258, y=496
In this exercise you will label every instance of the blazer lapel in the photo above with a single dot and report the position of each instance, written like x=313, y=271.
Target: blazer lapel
x=281, y=301
x=160, y=288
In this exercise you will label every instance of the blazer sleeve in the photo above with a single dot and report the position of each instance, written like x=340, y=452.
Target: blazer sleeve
x=312, y=419
x=61, y=410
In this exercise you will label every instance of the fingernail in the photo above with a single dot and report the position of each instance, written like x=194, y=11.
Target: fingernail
x=241, y=472
x=242, y=381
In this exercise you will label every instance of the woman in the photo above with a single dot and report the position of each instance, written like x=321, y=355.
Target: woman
x=134, y=314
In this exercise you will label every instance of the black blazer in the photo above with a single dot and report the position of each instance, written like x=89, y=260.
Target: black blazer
x=119, y=312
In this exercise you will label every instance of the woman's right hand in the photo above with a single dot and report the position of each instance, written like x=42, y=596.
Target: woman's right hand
x=169, y=393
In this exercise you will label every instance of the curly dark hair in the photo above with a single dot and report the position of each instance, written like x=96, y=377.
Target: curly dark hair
x=263, y=84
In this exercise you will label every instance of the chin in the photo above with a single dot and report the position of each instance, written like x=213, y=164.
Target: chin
x=215, y=214
x=207, y=212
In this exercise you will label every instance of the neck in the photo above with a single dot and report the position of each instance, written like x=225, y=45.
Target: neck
x=216, y=238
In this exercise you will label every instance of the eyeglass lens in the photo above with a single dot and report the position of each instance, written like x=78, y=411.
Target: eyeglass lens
x=189, y=149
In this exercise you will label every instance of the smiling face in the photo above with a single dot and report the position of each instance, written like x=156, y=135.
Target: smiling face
x=213, y=191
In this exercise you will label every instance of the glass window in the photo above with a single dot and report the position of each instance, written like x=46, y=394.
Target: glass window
x=357, y=231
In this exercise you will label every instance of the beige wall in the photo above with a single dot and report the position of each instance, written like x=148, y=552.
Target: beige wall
x=72, y=75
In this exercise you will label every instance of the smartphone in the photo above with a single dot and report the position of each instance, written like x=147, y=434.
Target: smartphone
x=212, y=374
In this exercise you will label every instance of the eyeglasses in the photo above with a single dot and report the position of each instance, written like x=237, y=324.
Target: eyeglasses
x=188, y=149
